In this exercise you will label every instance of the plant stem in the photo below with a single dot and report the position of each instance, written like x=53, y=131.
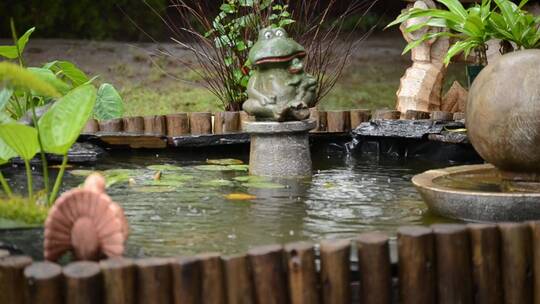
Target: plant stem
x=15, y=41
x=44, y=163
x=29, y=178
x=5, y=185
x=58, y=182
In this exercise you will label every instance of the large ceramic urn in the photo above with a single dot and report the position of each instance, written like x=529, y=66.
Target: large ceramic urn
x=503, y=115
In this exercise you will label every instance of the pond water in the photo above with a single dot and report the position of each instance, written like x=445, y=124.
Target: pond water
x=190, y=209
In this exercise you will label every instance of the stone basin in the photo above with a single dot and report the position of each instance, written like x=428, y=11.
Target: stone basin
x=478, y=193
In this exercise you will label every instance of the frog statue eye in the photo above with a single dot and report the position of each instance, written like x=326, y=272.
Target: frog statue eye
x=280, y=33
x=268, y=35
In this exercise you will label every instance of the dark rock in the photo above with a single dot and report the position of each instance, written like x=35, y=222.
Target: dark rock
x=193, y=141
x=79, y=153
x=404, y=128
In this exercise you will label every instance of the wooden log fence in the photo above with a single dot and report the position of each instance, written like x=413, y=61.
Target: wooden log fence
x=444, y=263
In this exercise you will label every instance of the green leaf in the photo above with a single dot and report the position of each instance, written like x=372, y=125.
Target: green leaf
x=10, y=51
x=69, y=70
x=22, y=139
x=285, y=22
x=63, y=122
x=16, y=76
x=109, y=104
x=455, y=7
x=49, y=77
x=6, y=152
x=227, y=8
x=5, y=96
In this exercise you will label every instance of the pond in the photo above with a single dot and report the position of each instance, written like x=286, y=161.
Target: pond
x=200, y=207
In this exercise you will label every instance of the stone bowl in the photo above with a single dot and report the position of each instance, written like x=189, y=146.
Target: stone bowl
x=468, y=197
x=503, y=114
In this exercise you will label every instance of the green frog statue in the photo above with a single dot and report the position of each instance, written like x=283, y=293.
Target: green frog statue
x=279, y=89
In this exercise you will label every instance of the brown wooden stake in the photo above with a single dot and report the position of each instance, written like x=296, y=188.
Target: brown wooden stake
x=155, y=125
x=442, y=116
x=320, y=118
x=269, y=275
x=335, y=271
x=111, y=126
x=459, y=116
x=485, y=244
x=12, y=279
x=91, y=127
x=417, y=273
x=535, y=236
x=416, y=115
x=201, y=123
x=186, y=273
x=240, y=289
x=177, y=124
x=213, y=285
x=374, y=267
x=454, y=271
x=226, y=122
x=516, y=262
x=303, y=278
x=119, y=279
x=359, y=116
x=83, y=283
x=44, y=283
x=134, y=125
x=338, y=121
x=4, y=253
x=154, y=282
x=385, y=114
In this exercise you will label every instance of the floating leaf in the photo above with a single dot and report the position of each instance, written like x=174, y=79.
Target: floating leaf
x=150, y=189
x=218, y=183
x=240, y=197
x=225, y=161
x=251, y=179
x=83, y=173
x=263, y=185
x=164, y=168
x=239, y=167
x=213, y=168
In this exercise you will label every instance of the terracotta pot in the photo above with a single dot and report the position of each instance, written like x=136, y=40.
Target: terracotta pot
x=503, y=114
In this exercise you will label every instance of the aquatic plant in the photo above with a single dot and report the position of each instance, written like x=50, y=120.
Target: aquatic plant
x=471, y=28
x=221, y=41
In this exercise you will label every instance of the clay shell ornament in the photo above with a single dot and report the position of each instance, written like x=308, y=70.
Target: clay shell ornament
x=86, y=222
x=279, y=89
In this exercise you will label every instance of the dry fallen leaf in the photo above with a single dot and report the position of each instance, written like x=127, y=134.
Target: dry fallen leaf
x=240, y=197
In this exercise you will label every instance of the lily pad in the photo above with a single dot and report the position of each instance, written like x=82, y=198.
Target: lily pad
x=213, y=168
x=163, y=182
x=225, y=161
x=239, y=167
x=263, y=185
x=116, y=179
x=251, y=179
x=153, y=189
x=240, y=197
x=218, y=183
x=164, y=168
x=176, y=177
x=83, y=173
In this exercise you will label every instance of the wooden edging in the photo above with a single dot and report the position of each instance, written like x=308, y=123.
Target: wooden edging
x=445, y=263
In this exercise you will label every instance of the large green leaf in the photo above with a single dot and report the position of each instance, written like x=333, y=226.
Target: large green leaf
x=22, y=139
x=49, y=77
x=109, y=104
x=5, y=96
x=10, y=51
x=6, y=153
x=64, y=121
x=69, y=70
x=16, y=76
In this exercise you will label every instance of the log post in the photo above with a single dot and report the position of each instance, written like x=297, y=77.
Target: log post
x=111, y=125
x=417, y=273
x=269, y=275
x=91, y=127
x=245, y=117
x=374, y=267
x=200, y=123
x=442, y=116
x=385, y=114
x=226, y=122
x=186, y=274
x=213, y=285
x=535, y=237
x=119, y=279
x=516, y=262
x=155, y=125
x=83, y=283
x=240, y=289
x=454, y=273
x=3, y=253
x=416, y=115
x=177, y=124
x=133, y=125
x=44, y=283
x=12, y=278
x=358, y=117
x=320, y=117
x=335, y=271
x=154, y=281
x=485, y=245
x=338, y=121
x=303, y=277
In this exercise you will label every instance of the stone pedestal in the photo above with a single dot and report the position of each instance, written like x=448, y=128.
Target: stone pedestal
x=280, y=149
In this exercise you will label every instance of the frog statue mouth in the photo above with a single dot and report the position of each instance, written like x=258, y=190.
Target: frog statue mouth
x=300, y=54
